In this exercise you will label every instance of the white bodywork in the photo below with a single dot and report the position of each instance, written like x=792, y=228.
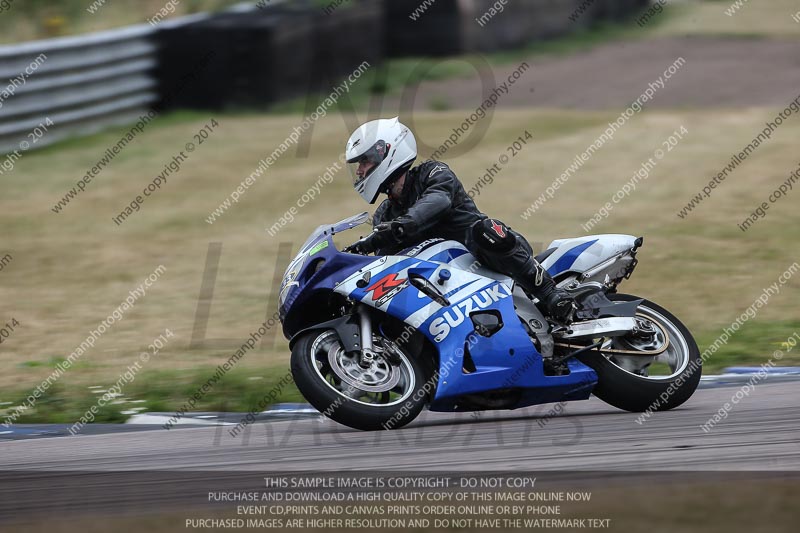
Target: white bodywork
x=606, y=247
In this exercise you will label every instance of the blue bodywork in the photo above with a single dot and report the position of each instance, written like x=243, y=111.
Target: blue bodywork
x=507, y=359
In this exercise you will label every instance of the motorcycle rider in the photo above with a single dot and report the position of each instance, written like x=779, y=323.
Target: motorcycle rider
x=428, y=201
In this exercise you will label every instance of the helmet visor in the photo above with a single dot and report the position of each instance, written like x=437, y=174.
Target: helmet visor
x=363, y=165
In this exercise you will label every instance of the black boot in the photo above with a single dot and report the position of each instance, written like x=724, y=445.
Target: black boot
x=557, y=303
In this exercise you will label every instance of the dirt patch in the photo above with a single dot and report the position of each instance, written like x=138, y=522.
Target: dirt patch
x=719, y=72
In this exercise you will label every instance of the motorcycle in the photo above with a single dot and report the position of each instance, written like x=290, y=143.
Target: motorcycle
x=376, y=339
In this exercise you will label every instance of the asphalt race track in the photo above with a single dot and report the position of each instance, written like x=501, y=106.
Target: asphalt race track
x=761, y=432
x=643, y=476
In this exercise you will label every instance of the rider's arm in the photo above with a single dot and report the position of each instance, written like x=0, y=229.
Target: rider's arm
x=381, y=213
x=436, y=199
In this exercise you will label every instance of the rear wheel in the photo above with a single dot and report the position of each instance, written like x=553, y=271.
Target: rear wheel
x=657, y=368
x=387, y=392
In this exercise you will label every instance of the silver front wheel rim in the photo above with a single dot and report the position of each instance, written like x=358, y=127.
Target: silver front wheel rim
x=382, y=384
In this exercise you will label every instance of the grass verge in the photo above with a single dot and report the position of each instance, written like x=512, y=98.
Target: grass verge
x=71, y=270
x=243, y=389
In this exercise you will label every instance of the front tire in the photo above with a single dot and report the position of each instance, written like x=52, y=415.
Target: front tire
x=640, y=383
x=388, y=394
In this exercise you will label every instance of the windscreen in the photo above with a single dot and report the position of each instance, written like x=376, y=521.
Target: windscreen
x=338, y=227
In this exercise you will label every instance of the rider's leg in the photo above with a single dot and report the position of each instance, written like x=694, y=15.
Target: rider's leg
x=500, y=248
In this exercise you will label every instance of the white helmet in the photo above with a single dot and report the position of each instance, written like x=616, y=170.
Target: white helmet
x=386, y=143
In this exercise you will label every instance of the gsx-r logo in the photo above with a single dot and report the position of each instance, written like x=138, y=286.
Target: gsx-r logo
x=386, y=288
x=440, y=328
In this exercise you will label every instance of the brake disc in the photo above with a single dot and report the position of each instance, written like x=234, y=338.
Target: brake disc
x=380, y=376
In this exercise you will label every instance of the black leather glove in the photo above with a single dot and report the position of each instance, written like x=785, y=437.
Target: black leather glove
x=402, y=228
x=383, y=235
x=359, y=247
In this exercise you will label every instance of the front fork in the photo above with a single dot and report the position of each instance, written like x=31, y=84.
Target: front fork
x=365, y=326
x=368, y=353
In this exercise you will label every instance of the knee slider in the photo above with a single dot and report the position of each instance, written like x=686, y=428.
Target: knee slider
x=493, y=236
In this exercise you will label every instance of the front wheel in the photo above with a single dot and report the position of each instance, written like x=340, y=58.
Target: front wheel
x=387, y=392
x=655, y=369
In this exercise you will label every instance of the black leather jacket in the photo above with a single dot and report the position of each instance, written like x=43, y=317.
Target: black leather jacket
x=435, y=203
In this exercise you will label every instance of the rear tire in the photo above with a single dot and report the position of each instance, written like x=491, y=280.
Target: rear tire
x=631, y=391
x=344, y=400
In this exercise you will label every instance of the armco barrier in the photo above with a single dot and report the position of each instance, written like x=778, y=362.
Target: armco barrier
x=252, y=57
x=83, y=84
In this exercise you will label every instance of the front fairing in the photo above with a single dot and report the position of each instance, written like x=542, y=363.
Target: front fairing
x=316, y=256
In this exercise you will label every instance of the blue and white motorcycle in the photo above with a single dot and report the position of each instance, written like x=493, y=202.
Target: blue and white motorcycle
x=375, y=340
